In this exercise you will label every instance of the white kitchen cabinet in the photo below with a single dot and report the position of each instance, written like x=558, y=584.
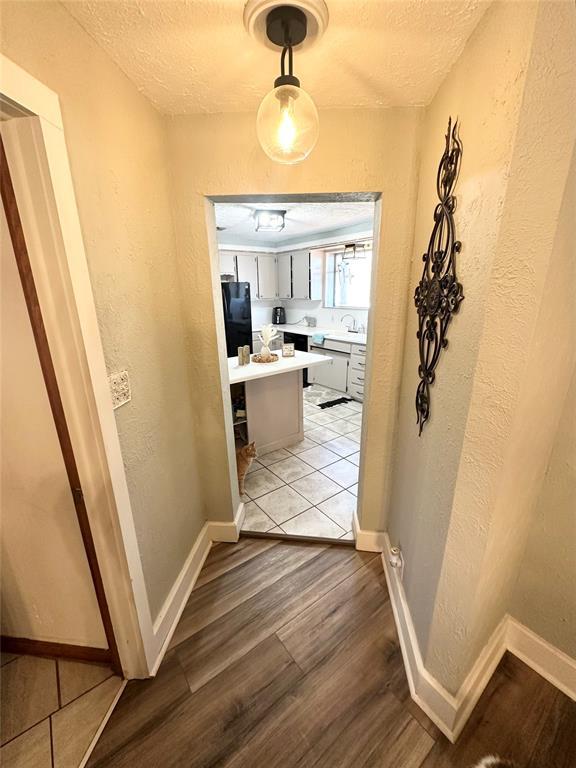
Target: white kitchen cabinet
x=334, y=374
x=228, y=263
x=267, y=276
x=284, y=275
x=247, y=265
x=301, y=275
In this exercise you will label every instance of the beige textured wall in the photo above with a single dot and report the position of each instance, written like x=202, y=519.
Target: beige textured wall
x=358, y=150
x=484, y=90
x=117, y=149
x=524, y=363
x=545, y=594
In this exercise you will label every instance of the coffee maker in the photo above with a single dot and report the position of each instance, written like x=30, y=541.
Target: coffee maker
x=278, y=315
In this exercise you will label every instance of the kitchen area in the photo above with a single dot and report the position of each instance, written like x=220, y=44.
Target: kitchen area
x=304, y=270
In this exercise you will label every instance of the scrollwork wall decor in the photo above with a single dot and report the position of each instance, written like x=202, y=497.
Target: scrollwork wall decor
x=438, y=294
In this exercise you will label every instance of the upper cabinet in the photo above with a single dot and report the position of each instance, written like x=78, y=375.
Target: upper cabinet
x=228, y=263
x=247, y=264
x=285, y=275
x=301, y=275
x=296, y=275
x=267, y=276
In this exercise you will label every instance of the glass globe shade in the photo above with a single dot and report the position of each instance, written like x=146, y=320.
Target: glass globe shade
x=287, y=124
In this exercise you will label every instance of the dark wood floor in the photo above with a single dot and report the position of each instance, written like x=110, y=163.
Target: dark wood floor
x=287, y=655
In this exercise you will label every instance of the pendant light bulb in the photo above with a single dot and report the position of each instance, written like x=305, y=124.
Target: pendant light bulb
x=287, y=124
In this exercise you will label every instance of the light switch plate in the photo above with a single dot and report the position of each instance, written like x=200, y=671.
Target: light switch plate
x=119, y=388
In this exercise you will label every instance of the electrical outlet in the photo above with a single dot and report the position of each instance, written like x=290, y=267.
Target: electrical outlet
x=119, y=388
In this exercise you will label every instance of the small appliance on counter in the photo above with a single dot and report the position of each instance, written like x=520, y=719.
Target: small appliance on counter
x=278, y=315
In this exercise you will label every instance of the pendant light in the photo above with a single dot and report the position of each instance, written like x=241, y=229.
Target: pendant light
x=287, y=122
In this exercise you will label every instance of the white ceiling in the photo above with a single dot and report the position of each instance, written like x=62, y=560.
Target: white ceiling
x=190, y=56
x=303, y=221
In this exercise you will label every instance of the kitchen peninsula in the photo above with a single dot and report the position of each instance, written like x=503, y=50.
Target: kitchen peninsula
x=274, y=399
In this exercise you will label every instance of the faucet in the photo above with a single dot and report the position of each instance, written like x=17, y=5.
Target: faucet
x=351, y=328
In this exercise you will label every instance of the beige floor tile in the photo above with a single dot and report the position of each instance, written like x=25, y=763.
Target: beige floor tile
x=342, y=472
x=74, y=726
x=261, y=482
x=356, y=435
x=76, y=678
x=342, y=426
x=282, y=504
x=355, y=457
x=319, y=457
x=320, y=434
x=340, y=508
x=342, y=446
x=301, y=445
x=6, y=658
x=354, y=489
x=313, y=523
x=291, y=469
x=254, y=467
x=30, y=750
x=273, y=456
x=356, y=419
x=316, y=487
x=323, y=417
x=255, y=519
x=348, y=536
x=29, y=693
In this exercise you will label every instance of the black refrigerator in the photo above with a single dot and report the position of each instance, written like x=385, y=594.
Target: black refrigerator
x=237, y=316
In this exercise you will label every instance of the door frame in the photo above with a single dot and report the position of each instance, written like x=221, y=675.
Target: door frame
x=36, y=149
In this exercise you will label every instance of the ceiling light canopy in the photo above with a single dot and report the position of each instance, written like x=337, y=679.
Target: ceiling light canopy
x=287, y=122
x=269, y=221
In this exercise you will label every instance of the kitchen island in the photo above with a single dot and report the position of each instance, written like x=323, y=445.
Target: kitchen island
x=273, y=394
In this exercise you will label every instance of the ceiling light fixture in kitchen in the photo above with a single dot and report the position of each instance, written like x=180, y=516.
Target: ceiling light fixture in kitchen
x=269, y=221
x=287, y=123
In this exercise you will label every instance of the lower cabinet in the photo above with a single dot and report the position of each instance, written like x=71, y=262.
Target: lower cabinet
x=333, y=373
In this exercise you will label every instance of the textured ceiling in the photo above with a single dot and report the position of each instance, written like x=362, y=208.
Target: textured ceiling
x=190, y=56
x=302, y=220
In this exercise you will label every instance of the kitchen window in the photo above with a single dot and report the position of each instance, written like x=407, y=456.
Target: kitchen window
x=348, y=273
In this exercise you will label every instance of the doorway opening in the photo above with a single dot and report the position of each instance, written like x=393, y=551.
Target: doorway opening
x=295, y=276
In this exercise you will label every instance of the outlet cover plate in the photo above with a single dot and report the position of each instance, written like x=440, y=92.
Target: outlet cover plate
x=119, y=388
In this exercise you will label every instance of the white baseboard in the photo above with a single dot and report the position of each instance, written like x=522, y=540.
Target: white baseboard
x=451, y=712
x=554, y=665
x=228, y=531
x=368, y=541
x=170, y=613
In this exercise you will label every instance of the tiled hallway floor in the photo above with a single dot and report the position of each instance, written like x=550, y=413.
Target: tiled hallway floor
x=51, y=710
x=310, y=488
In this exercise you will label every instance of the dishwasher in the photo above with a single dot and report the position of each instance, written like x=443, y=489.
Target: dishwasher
x=334, y=374
x=300, y=342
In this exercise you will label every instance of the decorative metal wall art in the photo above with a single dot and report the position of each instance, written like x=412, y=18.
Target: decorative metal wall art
x=439, y=293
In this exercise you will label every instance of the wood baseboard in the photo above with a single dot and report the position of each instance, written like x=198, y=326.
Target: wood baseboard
x=27, y=647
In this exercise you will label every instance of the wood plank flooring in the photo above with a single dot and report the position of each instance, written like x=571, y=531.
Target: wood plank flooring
x=287, y=656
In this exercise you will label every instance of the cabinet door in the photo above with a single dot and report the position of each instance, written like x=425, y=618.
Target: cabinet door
x=228, y=263
x=316, y=275
x=285, y=276
x=301, y=275
x=247, y=265
x=267, y=282
x=333, y=373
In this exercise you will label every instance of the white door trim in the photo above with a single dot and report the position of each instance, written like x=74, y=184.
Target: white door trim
x=40, y=170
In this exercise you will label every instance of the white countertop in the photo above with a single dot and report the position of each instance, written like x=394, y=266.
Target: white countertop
x=334, y=334
x=238, y=373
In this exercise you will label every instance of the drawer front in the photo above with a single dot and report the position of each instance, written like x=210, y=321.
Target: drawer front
x=336, y=346
x=358, y=349
x=356, y=379
x=357, y=364
x=356, y=392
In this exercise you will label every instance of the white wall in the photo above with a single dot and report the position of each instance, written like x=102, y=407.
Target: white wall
x=117, y=148
x=47, y=591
